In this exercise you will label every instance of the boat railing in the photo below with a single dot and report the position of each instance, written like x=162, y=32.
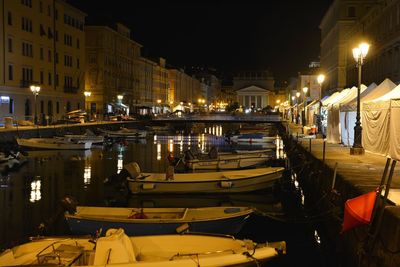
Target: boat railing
x=178, y=255
x=66, y=252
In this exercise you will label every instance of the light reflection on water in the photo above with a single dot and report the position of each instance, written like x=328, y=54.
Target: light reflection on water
x=32, y=195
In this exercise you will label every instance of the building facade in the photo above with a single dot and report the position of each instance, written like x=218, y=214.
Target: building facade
x=380, y=27
x=42, y=44
x=112, y=62
x=253, y=89
x=336, y=26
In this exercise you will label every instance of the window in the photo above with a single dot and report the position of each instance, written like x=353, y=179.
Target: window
x=49, y=10
x=26, y=24
x=10, y=72
x=56, y=35
x=27, y=74
x=68, y=39
x=58, y=107
x=41, y=7
x=77, y=43
x=10, y=46
x=67, y=81
x=42, y=31
x=41, y=53
x=77, y=63
x=56, y=14
x=41, y=106
x=27, y=49
x=49, y=78
x=49, y=55
x=67, y=61
x=41, y=77
x=56, y=57
x=56, y=81
x=27, y=3
x=351, y=11
x=9, y=18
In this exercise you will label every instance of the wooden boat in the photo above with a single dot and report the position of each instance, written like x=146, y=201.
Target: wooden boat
x=208, y=182
x=252, y=138
x=124, y=133
x=228, y=161
x=52, y=143
x=116, y=249
x=155, y=221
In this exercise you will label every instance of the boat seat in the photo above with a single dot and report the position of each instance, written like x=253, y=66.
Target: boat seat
x=115, y=247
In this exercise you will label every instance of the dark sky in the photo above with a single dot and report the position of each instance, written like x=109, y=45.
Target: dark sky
x=282, y=36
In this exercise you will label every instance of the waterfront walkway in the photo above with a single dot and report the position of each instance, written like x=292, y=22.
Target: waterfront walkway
x=364, y=172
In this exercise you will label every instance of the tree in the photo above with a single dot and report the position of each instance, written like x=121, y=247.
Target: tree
x=232, y=106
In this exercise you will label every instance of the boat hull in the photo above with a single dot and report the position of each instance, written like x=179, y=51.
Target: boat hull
x=52, y=143
x=205, y=183
x=229, y=226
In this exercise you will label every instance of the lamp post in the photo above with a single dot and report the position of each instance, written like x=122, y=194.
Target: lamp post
x=303, y=114
x=293, y=98
x=297, y=108
x=35, y=90
x=320, y=80
x=359, y=54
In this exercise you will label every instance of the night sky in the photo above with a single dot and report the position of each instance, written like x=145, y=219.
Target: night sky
x=282, y=36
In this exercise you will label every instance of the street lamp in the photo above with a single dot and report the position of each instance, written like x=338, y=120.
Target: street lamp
x=320, y=80
x=120, y=97
x=297, y=107
x=35, y=90
x=359, y=54
x=303, y=114
x=293, y=98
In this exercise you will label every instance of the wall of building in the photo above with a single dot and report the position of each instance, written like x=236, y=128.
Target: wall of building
x=43, y=45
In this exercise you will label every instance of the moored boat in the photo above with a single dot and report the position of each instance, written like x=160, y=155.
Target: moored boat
x=252, y=138
x=207, y=182
x=151, y=221
x=118, y=250
x=228, y=161
x=124, y=133
x=52, y=143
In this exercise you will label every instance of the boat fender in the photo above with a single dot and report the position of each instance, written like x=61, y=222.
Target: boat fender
x=181, y=229
x=226, y=184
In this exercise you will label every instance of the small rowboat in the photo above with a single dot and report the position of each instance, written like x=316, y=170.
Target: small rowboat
x=116, y=249
x=52, y=143
x=155, y=221
x=208, y=182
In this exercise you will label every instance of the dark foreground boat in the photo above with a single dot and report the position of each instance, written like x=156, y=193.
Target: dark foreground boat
x=151, y=221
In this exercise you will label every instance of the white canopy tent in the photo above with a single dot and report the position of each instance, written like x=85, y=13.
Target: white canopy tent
x=381, y=124
x=348, y=113
x=333, y=128
x=349, y=110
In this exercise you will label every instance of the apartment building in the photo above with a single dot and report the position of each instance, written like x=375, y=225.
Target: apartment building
x=42, y=44
x=112, y=69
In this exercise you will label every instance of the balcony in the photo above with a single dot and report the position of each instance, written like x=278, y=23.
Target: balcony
x=26, y=83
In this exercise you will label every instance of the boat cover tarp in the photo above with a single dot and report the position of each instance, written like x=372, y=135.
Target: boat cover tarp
x=332, y=117
x=348, y=117
x=381, y=124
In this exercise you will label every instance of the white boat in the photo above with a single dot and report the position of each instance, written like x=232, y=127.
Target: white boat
x=252, y=138
x=116, y=249
x=155, y=221
x=79, y=138
x=10, y=161
x=52, y=143
x=207, y=182
x=125, y=133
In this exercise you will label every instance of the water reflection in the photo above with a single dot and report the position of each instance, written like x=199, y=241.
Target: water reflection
x=36, y=193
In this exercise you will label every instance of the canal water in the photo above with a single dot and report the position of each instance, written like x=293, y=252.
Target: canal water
x=30, y=197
